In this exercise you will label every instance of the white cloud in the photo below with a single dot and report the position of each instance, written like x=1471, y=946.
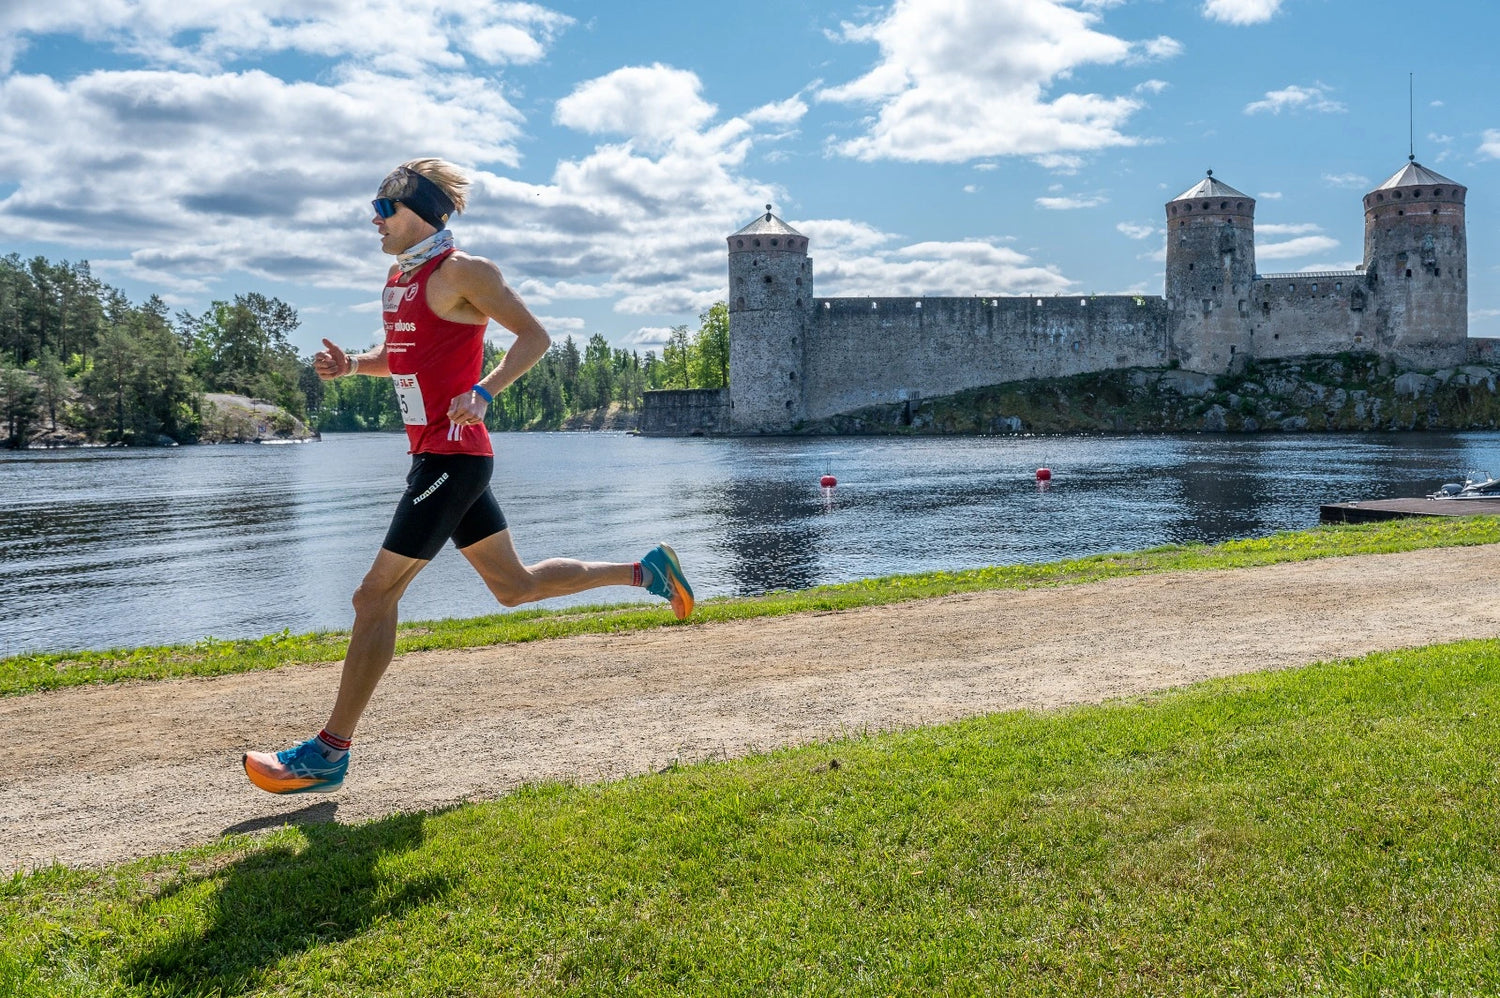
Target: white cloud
x=967, y=267
x=1269, y=195
x=195, y=175
x=971, y=188
x=1059, y=163
x=1490, y=147
x=1240, y=12
x=965, y=79
x=1353, y=181
x=558, y=325
x=842, y=236
x=538, y=292
x=189, y=178
x=1136, y=230
x=1295, y=98
x=784, y=113
x=1157, y=49
x=651, y=103
x=1071, y=203
x=1287, y=229
x=1151, y=87
x=650, y=336
x=189, y=182
x=1324, y=266
x=206, y=35
x=1301, y=246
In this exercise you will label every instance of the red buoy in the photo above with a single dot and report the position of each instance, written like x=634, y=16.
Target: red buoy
x=1044, y=474
x=828, y=481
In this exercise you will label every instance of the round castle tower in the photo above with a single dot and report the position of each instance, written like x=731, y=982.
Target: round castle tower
x=770, y=308
x=1210, y=268
x=1416, y=255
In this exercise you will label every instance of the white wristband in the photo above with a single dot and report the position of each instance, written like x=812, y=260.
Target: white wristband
x=353, y=365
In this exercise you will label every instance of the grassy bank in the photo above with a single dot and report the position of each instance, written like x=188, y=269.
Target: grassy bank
x=1327, y=830
x=33, y=673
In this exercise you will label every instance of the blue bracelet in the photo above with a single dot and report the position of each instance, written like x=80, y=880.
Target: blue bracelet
x=479, y=390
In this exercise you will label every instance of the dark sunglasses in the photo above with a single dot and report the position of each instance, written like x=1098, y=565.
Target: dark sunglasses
x=385, y=207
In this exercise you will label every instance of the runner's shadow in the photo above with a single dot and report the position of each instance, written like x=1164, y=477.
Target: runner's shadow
x=313, y=814
x=275, y=903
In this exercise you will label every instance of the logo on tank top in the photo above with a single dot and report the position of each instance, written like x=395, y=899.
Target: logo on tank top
x=392, y=297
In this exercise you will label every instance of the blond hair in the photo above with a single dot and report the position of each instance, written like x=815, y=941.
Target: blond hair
x=449, y=178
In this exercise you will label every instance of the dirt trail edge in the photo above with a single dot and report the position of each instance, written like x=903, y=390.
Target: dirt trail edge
x=97, y=775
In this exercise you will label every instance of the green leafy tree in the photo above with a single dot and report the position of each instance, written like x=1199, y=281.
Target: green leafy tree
x=677, y=358
x=654, y=371
x=244, y=347
x=18, y=404
x=140, y=385
x=568, y=360
x=710, y=352
x=596, y=375
x=630, y=379
x=47, y=306
x=357, y=403
x=51, y=382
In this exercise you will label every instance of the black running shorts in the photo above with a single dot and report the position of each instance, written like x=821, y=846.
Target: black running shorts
x=447, y=496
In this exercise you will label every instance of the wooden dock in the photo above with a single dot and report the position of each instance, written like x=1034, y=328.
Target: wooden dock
x=1395, y=509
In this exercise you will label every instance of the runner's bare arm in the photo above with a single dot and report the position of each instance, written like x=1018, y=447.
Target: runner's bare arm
x=479, y=285
x=334, y=362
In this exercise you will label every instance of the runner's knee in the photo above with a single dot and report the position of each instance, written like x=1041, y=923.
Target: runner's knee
x=371, y=598
x=513, y=592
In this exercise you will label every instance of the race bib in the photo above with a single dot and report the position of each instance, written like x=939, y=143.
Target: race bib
x=409, y=396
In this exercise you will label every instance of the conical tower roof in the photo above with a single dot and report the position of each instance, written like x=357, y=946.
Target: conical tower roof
x=767, y=224
x=1208, y=187
x=1414, y=174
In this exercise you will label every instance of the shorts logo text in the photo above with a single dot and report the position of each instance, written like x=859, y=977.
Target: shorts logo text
x=431, y=488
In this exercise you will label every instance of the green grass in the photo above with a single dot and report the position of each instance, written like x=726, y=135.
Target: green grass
x=37, y=672
x=1328, y=830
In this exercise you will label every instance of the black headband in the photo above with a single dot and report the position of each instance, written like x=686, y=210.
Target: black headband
x=419, y=194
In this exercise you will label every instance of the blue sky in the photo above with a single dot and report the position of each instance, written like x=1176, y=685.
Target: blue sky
x=200, y=150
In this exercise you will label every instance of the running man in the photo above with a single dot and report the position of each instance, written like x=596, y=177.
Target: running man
x=436, y=304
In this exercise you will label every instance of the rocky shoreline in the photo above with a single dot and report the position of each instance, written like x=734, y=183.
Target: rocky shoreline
x=1340, y=393
x=226, y=419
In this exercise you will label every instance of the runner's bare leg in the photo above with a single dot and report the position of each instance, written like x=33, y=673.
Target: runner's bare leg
x=514, y=583
x=373, y=641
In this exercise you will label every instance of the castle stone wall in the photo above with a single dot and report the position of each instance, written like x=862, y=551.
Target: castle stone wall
x=794, y=357
x=769, y=307
x=1416, y=247
x=685, y=412
x=1482, y=350
x=1295, y=315
x=1209, y=271
x=863, y=351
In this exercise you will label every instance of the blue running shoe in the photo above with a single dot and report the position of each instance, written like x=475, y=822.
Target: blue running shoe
x=300, y=769
x=667, y=580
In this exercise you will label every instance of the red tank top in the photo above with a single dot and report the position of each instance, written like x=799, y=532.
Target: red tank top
x=432, y=359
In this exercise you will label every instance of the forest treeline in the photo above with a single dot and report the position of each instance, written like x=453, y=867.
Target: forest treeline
x=78, y=360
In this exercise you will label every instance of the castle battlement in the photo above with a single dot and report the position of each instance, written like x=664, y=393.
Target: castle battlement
x=794, y=357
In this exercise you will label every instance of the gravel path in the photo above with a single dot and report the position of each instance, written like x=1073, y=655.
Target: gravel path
x=96, y=775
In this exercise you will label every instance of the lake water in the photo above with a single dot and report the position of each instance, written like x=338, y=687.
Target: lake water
x=107, y=548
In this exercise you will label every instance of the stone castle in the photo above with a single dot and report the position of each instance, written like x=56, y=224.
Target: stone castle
x=795, y=357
